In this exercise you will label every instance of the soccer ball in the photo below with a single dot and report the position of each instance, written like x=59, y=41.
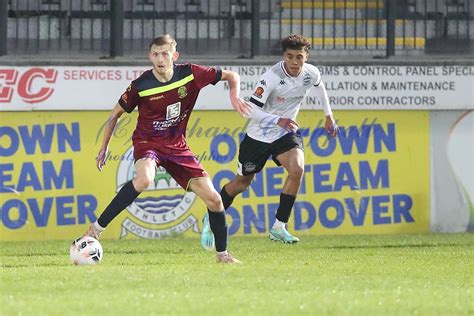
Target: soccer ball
x=85, y=251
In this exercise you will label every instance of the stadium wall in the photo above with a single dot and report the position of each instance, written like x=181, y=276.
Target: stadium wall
x=402, y=164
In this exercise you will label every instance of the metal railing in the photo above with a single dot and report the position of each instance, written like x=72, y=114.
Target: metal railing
x=236, y=28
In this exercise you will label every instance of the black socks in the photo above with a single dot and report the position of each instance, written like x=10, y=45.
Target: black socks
x=124, y=198
x=218, y=223
x=219, y=229
x=226, y=198
x=284, y=210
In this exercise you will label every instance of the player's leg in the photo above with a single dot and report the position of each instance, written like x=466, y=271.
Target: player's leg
x=230, y=190
x=253, y=155
x=293, y=161
x=145, y=172
x=228, y=193
x=189, y=173
x=205, y=190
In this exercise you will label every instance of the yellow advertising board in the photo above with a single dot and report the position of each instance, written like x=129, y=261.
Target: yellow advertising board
x=374, y=178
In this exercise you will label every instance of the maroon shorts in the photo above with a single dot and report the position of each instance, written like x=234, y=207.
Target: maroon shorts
x=181, y=164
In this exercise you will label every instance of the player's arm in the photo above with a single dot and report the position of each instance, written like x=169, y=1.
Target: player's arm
x=261, y=116
x=330, y=124
x=233, y=79
x=264, y=88
x=115, y=115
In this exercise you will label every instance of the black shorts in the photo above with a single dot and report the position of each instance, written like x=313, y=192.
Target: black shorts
x=253, y=154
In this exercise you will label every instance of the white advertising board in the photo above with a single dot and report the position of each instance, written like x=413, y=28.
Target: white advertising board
x=363, y=87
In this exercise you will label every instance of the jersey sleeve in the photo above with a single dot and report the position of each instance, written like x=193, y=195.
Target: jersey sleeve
x=264, y=88
x=205, y=75
x=129, y=99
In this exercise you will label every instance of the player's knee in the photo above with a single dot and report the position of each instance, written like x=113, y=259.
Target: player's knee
x=214, y=202
x=296, y=172
x=244, y=183
x=141, y=183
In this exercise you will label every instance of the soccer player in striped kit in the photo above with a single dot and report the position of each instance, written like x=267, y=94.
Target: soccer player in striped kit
x=165, y=96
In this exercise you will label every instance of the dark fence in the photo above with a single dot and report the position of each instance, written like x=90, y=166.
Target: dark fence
x=236, y=28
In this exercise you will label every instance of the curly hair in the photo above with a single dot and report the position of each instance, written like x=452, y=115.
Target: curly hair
x=295, y=41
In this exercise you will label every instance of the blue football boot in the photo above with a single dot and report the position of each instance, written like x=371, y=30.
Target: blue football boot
x=207, y=237
x=282, y=235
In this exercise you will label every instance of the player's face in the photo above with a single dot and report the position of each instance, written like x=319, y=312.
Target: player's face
x=162, y=58
x=294, y=60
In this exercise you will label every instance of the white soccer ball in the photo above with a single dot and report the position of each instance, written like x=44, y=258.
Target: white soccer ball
x=85, y=251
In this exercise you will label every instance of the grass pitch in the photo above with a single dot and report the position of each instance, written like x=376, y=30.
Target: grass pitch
x=330, y=275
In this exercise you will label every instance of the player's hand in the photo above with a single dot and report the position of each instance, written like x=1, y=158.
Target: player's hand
x=288, y=124
x=100, y=158
x=240, y=106
x=330, y=126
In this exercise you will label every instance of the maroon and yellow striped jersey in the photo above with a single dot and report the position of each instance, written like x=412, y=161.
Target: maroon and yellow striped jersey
x=164, y=108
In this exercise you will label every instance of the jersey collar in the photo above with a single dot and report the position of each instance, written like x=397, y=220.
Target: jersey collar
x=282, y=65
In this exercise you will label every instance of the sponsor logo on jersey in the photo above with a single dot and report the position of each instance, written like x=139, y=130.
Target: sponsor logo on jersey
x=173, y=110
x=263, y=83
x=282, y=82
x=160, y=211
x=173, y=121
x=182, y=92
x=157, y=97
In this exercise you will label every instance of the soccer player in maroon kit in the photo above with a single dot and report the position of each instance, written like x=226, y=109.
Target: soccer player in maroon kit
x=165, y=97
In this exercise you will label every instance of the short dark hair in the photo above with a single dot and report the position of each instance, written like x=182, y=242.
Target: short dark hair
x=163, y=40
x=295, y=41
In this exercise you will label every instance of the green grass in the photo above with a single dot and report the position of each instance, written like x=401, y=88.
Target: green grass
x=331, y=275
